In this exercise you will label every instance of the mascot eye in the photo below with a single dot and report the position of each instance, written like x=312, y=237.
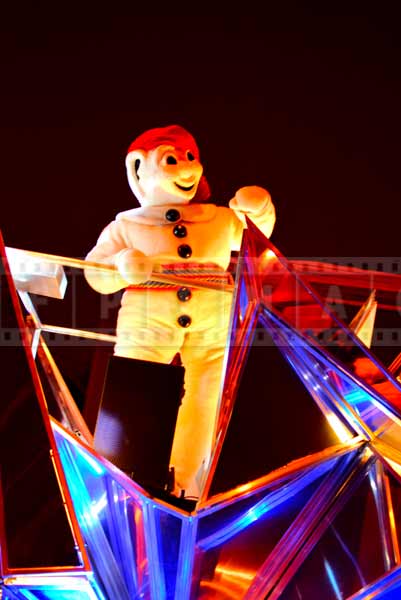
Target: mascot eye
x=137, y=165
x=171, y=160
x=190, y=156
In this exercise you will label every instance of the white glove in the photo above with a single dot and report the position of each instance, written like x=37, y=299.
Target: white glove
x=134, y=266
x=251, y=200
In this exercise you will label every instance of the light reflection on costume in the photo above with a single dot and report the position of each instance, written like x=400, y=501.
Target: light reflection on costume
x=177, y=228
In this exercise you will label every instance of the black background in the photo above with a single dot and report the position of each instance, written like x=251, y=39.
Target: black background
x=303, y=100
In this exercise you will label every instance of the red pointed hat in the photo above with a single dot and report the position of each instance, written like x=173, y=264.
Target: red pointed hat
x=177, y=136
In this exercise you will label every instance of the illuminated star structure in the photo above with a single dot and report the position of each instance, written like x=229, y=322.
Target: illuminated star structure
x=302, y=498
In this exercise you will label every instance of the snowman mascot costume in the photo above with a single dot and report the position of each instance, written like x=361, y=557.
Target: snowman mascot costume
x=176, y=229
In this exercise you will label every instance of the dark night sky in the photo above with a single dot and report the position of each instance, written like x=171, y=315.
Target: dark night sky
x=305, y=103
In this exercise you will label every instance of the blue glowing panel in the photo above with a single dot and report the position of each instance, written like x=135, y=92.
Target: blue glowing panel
x=348, y=556
x=169, y=529
x=111, y=521
x=52, y=593
x=245, y=292
x=58, y=587
x=386, y=588
x=232, y=546
x=219, y=522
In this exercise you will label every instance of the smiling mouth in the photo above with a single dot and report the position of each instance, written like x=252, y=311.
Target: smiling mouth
x=185, y=188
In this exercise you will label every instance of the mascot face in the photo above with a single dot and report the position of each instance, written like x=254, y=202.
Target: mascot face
x=164, y=175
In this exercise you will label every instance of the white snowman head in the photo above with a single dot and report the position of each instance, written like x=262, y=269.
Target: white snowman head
x=163, y=167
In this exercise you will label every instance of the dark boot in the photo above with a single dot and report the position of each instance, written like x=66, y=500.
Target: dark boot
x=137, y=417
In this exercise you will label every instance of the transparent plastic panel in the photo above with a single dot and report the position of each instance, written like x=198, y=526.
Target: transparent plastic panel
x=351, y=400
x=344, y=288
x=228, y=511
x=391, y=432
x=111, y=521
x=235, y=357
x=169, y=529
x=285, y=292
x=36, y=276
x=313, y=376
x=230, y=516
x=48, y=594
x=348, y=556
x=274, y=418
x=36, y=528
x=231, y=546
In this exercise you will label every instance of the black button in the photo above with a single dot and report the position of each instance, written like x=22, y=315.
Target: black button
x=180, y=231
x=173, y=215
x=184, y=251
x=184, y=320
x=184, y=294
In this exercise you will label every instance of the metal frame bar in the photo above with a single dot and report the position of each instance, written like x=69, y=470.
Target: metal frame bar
x=78, y=263
x=383, y=503
x=389, y=582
